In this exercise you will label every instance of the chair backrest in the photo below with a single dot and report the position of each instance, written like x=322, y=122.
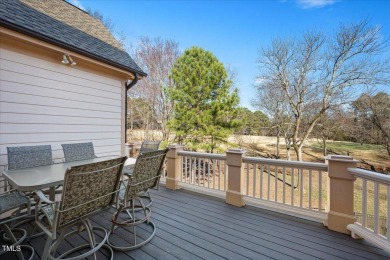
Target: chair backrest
x=89, y=188
x=29, y=156
x=78, y=151
x=149, y=146
x=146, y=173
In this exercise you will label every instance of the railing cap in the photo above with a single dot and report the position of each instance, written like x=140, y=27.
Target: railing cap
x=236, y=150
x=370, y=175
x=286, y=163
x=340, y=158
x=202, y=155
x=175, y=146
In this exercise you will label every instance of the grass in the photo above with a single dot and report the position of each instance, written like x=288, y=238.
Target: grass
x=282, y=185
x=349, y=146
x=383, y=200
x=288, y=188
x=371, y=157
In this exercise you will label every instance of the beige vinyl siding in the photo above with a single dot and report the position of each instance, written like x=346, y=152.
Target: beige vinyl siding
x=42, y=102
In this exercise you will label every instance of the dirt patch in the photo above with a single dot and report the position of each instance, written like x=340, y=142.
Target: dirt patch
x=265, y=146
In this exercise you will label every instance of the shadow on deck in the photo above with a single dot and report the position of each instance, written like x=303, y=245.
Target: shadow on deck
x=193, y=226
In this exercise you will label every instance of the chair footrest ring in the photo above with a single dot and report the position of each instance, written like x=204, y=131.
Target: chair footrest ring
x=136, y=245
x=29, y=248
x=96, y=247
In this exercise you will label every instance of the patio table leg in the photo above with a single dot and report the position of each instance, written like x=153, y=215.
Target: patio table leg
x=52, y=193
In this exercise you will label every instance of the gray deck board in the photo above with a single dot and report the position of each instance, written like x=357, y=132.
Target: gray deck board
x=287, y=225
x=274, y=232
x=163, y=242
x=247, y=237
x=194, y=226
x=218, y=235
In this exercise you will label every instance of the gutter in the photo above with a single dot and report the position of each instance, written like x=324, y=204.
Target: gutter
x=128, y=86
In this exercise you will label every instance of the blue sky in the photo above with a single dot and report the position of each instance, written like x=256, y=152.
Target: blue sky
x=235, y=30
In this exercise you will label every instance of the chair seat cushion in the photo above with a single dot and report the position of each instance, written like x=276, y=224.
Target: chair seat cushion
x=121, y=193
x=11, y=201
x=48, y=211
x=128, y=170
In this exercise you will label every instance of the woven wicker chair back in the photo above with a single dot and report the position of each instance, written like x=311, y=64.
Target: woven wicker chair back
x=147, y=171
x=89, y=188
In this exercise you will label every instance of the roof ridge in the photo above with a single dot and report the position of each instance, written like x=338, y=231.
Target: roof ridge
x=71, y=15
x=76, y=7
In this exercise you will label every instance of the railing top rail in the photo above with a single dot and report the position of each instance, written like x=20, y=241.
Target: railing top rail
x=285, y=163
x=370, y=175
x=203, y=155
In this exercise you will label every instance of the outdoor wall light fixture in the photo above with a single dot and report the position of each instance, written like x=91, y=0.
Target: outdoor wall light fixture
x=66, y=59
x=72, y=63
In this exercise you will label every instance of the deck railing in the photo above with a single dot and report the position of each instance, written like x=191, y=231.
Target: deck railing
x=375, y=192
x=295, y=188
x=323, y=192
x=300, y=185
x=204, y=169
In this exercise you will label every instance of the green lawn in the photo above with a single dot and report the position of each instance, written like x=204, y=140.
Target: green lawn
x=349, y=146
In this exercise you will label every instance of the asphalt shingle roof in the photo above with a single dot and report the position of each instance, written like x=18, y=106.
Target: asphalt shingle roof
x=20, y=17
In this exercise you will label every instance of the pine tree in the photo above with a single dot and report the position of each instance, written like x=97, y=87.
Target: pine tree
x=205, y=106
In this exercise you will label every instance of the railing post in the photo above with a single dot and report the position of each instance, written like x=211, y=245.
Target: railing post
x=340, y=193
x=173, y=167
x=133, y=151
x=234, y=195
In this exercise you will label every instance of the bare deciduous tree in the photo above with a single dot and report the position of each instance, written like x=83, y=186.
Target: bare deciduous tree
x=108, y=23
x=156, y=56
x=317, y=72
x=274, y=104
x=140, y=115
x=330, y=125
x=376, y=110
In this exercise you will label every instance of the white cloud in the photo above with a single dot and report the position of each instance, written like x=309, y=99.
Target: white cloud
x=306, y=4
x=259, y=80
x=76, y=3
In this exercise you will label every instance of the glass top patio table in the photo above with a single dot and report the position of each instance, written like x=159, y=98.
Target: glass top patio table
x=49, y=176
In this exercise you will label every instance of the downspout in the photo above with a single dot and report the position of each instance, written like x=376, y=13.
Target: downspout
x=128, y=86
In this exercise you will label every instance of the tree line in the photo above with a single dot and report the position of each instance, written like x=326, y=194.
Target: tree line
x=312, y=85
x=303, y=80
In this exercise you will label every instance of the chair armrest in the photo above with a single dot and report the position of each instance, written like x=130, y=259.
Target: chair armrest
x=42, y=197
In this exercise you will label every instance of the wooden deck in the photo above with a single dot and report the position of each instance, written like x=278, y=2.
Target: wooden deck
x=193, y=226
